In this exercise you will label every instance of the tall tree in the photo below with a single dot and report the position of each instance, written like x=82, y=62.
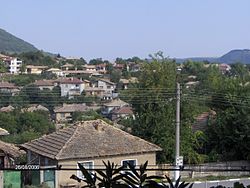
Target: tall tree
x=154, y=106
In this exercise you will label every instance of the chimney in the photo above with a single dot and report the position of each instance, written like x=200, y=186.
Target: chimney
x=96, y=126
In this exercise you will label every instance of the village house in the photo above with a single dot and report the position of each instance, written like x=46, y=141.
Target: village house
x=224, y=68
x=35, y=69
x=14, y=64
x=94, y=91
x=107, y=108
x=45, y=84
x=119, y=66
x=6, y=87
x=108, y=87
x=64, y=114
x=56, y=71
x=9, y=156
x=9, y=153
x=4, y=57
x=122, y=113
x=76, y=73
x=134, y=67
x=88, y=143
x=35, y=107
x=89, y=68
x=124, y=82
x=101, y=68
x=70, y=87
x=7, y=109
x=67, y=66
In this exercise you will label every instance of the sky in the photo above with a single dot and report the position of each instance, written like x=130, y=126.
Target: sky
x=125, y=28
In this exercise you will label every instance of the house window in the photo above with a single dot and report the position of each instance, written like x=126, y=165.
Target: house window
x=132, y=162
x=89, y=165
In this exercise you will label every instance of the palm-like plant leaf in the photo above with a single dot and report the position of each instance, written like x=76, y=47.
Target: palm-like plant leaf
x=177, y=183
x=110, y=176
x=135, y=179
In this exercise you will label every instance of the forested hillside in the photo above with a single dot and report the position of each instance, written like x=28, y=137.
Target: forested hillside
x=11, y=44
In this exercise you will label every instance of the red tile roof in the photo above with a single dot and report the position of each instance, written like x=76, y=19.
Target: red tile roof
x=70, y=81
x=124, y=110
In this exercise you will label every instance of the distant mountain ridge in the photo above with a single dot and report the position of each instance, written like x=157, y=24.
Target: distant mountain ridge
x=12, y=44
x=234, y=56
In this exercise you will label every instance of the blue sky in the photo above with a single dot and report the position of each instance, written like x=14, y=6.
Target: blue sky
x=127, y=28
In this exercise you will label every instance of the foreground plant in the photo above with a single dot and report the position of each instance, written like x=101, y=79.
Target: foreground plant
x=177, y=184
x=140, y=180
x=113, y=177
x=89, y=178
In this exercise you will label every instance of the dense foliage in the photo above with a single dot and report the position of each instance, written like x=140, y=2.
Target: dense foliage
x=227, y=135
x=31, y=94
x=25, y=126
x=153, y=101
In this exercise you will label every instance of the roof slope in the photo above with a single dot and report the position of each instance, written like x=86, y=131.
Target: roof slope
x=44, y=82
x=116, y=102
x=87, y=140
x=8, y=85
x=72, y=108
x=10, y=149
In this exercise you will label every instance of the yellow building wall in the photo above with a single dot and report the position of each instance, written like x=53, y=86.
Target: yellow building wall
x=63, y=177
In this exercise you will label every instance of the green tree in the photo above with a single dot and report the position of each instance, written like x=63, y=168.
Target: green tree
x=154, y=107
x=228, y=135
x=25, y=126
x=3, y=67
x=193, y=68
x=239, y=70
x=115, y=76
x=96, y=61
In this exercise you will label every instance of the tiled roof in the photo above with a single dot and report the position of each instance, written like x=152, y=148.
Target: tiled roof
x=35, y=107
x=36, y=67
x=68, y=65
x=44, y=82
x=7, y=85
x=10, y=149
x=72, y=108
x=69, y=81
x=107, y=81
x=124, y=110
x=89, y=139
x=54, y=70
x=116, y=102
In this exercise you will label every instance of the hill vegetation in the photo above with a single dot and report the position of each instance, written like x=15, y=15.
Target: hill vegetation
x=11, y=44
x=234, y=56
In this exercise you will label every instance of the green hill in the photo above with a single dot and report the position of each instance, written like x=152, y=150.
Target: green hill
x=234, y=56
x=11, y=44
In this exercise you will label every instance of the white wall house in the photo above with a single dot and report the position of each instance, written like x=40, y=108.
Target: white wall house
x=14, y=65
x=108, y=87
x=71, y=87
